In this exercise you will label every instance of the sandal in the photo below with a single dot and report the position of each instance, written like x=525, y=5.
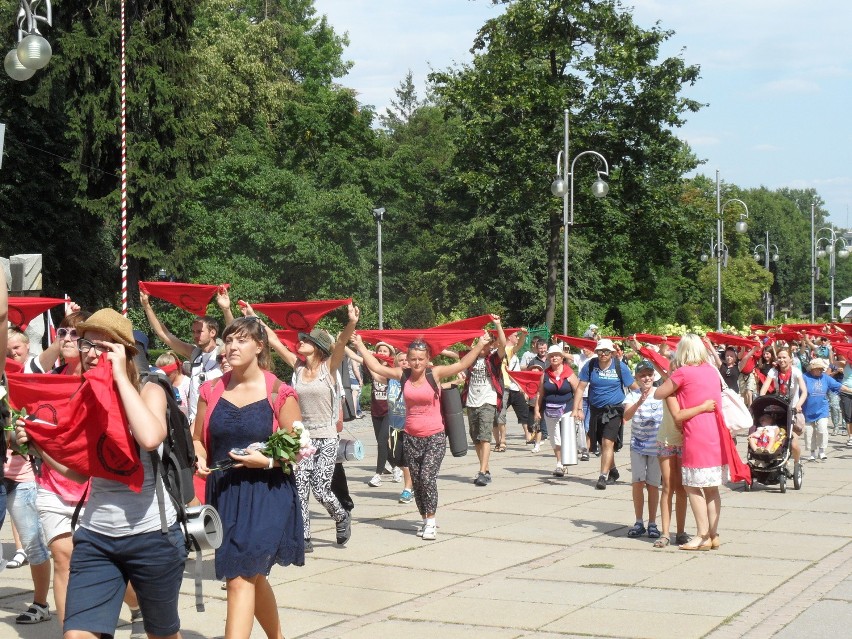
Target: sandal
x=19, y=559
x=682, y=538
x=653, y=531
x=662, y=542
x=501, y=449
x=637, y=530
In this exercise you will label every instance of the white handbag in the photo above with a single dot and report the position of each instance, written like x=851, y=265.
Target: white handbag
x=734, y=411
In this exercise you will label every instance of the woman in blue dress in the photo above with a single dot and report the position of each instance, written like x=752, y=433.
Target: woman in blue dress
x=257, y=500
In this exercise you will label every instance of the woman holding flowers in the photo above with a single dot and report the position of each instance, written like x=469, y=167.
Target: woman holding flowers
x=256, y=498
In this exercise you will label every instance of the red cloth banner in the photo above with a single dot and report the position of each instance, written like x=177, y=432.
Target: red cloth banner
x=844, y=349
x=834, y=338
x=190, y=297
x=436, y=338
x=579, y=342
x=290, y=339
x=480, y=321
x=801, y=327
x=22, y=310
x=299, y=316
x=661, y=361
x=762, y=327
x=527, y=380
x=81, y=425
x=723, y=339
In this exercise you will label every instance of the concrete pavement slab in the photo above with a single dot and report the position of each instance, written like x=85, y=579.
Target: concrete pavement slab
x=824, y=620
x=403, y=580
x=425, y=630
x=487, y=613
x=470, y=556
x=626, y=623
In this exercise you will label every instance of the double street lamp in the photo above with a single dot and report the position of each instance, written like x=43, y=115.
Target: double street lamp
x=33, y=52
x=825, y=246
x=721, y=250
x=766, y=255
x=563, y=186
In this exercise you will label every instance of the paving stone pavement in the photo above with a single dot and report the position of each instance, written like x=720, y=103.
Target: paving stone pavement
x=532, y=555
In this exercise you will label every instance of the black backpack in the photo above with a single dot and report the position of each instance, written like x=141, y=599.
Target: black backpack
x=176, y=467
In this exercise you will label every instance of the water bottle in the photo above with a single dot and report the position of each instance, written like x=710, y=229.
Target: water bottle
x=177, y=396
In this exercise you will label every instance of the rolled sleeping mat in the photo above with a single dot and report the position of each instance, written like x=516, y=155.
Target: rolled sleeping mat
x=568, y=436
x=204, y=529
x=204, y=526
x=349, y=450
x=453, y=413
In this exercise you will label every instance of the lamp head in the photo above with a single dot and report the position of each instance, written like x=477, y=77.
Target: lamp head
x=775, y=257
x=821, y=253
x=704, y=257
x=600, y=188
x=34, y=52
x=14, y=68
x=756, y=257
x=558, y=187
x=741, y=226
x=843, y=253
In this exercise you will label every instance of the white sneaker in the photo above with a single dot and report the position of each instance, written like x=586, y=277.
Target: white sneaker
x=397, y=475
x=849, y=442
x=536, y=449
x=430, y=532
x=822, y=457
x=811, y=458
x=376, y=481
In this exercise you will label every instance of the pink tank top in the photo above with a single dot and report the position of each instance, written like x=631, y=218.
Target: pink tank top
x=423, y=410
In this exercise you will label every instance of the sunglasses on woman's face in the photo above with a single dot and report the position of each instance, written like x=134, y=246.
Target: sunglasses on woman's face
x=70, y=333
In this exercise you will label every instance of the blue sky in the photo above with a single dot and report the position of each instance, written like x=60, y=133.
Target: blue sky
x=777, y=75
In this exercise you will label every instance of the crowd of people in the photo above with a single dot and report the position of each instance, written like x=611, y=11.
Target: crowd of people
x=128, y=546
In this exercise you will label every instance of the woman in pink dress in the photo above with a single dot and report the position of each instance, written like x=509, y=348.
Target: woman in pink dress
x=696, y=384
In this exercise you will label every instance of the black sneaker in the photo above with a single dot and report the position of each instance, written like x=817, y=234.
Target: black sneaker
x=601, y=485
x=584, y=456
x=613, y=475
x=309, y=546
x=487, y=476
x=344, y=529
x=480, y=480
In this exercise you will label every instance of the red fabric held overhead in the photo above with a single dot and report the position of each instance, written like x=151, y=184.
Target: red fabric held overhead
x=730, y=340
x=480, y=321
x=190, y=297
x=660, y=360
x=82, y=425
x=528, y=381
x=437, y=338
x=579, y=342
x=22, y=310
x=298, y=316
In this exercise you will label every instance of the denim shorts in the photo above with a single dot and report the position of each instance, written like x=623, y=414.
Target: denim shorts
x=101, y=567
x=21, y=501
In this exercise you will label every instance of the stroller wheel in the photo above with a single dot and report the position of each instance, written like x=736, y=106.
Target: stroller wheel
x=782, y=483
x=798, y=474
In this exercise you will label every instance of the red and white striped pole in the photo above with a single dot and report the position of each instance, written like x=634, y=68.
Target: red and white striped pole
x=123, y=166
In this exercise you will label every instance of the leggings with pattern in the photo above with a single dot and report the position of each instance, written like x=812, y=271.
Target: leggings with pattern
x=424, y=456
x=313, y=475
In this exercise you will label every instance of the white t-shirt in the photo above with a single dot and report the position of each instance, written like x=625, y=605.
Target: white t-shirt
x=480, y=391
x=205, y=367
x=796, y=383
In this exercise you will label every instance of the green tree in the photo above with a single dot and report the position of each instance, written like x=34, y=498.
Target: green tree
x=529, y=64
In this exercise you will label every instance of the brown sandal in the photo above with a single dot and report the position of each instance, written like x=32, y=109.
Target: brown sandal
x=662, y=542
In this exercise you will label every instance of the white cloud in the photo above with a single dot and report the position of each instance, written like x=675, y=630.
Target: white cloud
x=787, y=86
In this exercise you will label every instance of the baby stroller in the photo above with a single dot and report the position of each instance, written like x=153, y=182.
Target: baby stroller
x=769, y=465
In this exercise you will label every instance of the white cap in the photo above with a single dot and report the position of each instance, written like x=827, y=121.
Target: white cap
x=605, y=345
x=555, y=348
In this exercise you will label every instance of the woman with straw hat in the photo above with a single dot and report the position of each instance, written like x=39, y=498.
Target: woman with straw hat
x=119, y=537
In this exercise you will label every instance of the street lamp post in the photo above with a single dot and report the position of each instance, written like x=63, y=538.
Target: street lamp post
x=379, y=214
x=766, y=256
x=563, y=186
x=741, y=227
x=831, y=241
